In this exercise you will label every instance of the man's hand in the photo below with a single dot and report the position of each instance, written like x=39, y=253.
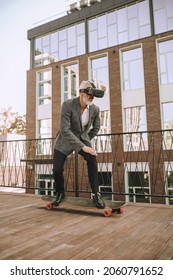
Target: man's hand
x=89, y=150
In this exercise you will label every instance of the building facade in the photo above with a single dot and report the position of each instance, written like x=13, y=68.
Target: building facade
x=126, y=48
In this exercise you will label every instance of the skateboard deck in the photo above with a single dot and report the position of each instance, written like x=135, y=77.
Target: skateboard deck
x=69, y=202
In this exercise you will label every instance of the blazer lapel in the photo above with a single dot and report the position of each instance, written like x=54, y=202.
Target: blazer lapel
x=77, y=105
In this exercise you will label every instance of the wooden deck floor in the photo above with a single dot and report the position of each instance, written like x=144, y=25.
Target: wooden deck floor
x=29, y=231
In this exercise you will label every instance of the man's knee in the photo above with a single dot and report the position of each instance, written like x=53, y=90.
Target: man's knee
x=91, y=160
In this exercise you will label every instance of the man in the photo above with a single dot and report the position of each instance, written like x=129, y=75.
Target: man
x=79, y=123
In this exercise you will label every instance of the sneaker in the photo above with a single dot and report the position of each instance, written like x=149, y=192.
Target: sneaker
x=59, y=197
x=98, y=201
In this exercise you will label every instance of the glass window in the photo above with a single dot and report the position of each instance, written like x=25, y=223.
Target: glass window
x=167, y=119
x=80, y=29
x=169, y=185
x=102, y=24
x=44, y=132
x=59, y=45
x=112, y=40
x=62, y=50
x=122, y=20
x=54, y=42
x=71, y=31
x=122, y=37
x=133, y=72
x=72, y=52
x=38, y=52
x=62, y=35
x=99, y=75
x=45, y=184
x=44, y=87
x=105, y=183
x=143, y=13
x=165, y=50
x=45, y=75
x=168, y=115
x=93, y=41
x=133, y=29
x=38, y=46
x=112, y=29
x=163, y=15
x=44, y=128
x=54, y=47
x=70, y=81
x=120, y=26
x=144, y=31
x=80, y=45
x=44, y=96
x=135, y=119
x=112, y=18
x=42, y=51
x=135, y=122
x=132, y=11
x=44, y=93
x=45, y=40
x=138, y=185
x=102, y=43
x=105, y=178
x=92, y=24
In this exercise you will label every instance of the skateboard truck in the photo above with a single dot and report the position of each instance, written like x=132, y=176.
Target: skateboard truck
x=109, y=212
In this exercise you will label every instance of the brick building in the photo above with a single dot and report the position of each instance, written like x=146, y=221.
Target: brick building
x=126, y=48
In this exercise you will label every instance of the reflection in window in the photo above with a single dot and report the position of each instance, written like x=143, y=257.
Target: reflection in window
x=120, y=26
x=105, y=184
x=167, y=109
x=133, y=72
x=70, y=81
x=99, y=75
x=59, y=45
x=165, y=50
x=138, y=185
x=169, y=186
x=44, y=132
x=135, y=122
x=163, y=15
x=44, y=87
x=135, y=118
x=168, y=115
x=45, y=184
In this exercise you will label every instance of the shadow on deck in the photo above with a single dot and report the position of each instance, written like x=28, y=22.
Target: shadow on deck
x=29, y=231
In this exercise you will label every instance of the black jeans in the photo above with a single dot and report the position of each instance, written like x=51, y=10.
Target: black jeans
x=58, y=169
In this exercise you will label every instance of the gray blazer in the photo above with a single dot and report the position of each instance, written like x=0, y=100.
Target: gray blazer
x=70, y=136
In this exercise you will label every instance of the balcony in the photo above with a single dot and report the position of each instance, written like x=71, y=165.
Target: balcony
x=135, y=167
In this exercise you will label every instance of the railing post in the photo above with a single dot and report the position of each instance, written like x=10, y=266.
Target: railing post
x=76, y=175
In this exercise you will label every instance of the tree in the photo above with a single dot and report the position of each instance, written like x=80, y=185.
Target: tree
x=12, y=122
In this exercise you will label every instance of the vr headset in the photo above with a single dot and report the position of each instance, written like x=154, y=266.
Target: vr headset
x=94, y=92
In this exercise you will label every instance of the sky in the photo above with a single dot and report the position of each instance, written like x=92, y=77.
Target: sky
x=16, y=17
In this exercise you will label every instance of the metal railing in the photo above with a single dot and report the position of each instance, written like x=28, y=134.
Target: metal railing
x=134, y=167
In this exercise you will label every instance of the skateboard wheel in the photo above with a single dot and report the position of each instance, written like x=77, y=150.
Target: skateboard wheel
x=120, y=211
x=107, y=213
x=49, y=206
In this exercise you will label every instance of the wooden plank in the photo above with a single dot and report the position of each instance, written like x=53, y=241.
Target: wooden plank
x=28, y=231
